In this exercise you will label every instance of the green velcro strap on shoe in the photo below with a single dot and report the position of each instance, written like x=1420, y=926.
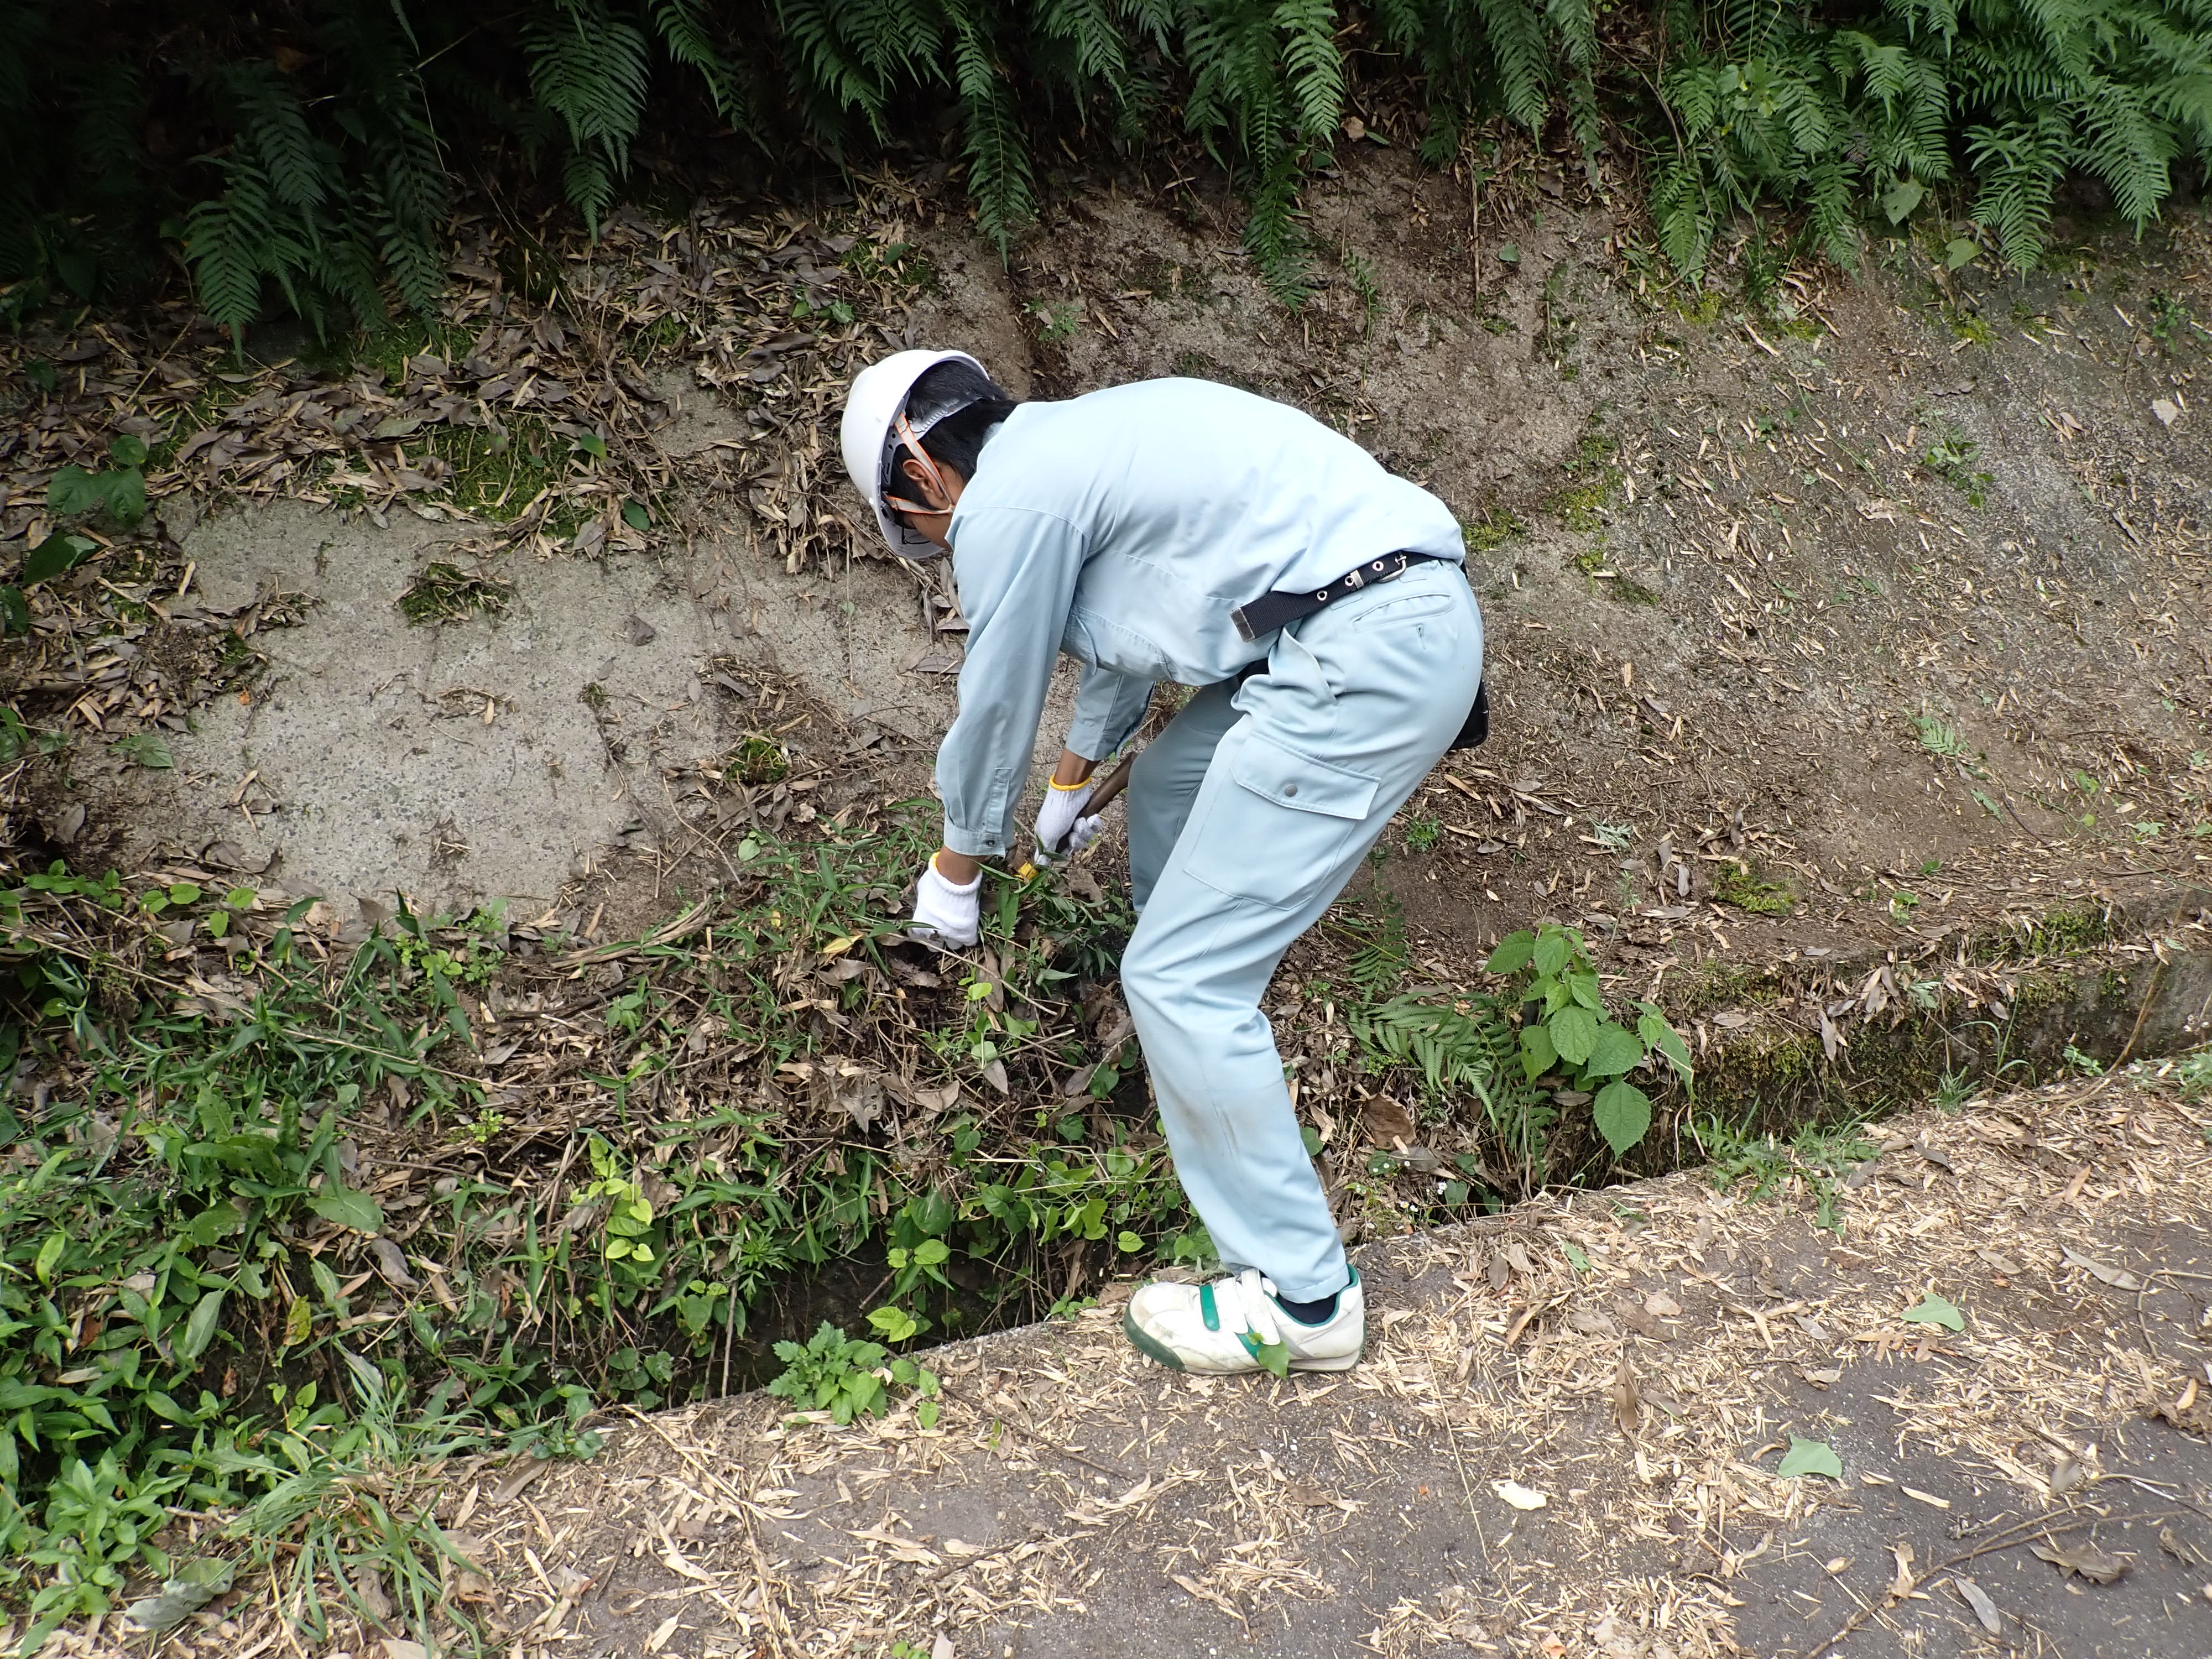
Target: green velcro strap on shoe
x=1211, y=1314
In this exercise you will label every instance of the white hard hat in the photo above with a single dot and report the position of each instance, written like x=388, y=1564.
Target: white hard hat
x=878, y=394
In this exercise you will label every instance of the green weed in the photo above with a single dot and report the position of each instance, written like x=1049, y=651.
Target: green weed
x=442, y=593
x=1566, y=1029
x=1815, y=1160
x=833, y=1373
x=181, y=1228
x=1735, y=883
x=1057, y=320
x=1951, y=457
x=1361, y=269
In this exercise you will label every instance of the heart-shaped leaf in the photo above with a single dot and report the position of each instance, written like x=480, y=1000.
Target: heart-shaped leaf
x=51, y=557
x=73, y=491
x=1513, y=953
x=1574, y=1033
x=1554, y=951
x=1616, y=1049
x=1538, y=1056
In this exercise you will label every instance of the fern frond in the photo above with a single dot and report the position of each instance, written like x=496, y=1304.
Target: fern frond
x=1681, y=211
x=274, y=125
x=684, y=37
x=1273, y=234
x=224, y=244
x=2019, y=166
x=998, y=177
x=1090, y=27
x=1312, y=65
x=589, y=68
x=589, y=184
x=1576, y=23
x=2128, y=149
x=111, y=113
x=1513, y=32
x=823, y=67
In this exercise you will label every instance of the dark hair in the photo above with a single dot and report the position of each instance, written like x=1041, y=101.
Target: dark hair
x=957, y=440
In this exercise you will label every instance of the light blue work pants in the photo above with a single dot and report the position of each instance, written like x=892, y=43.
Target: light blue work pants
x=1247, y=817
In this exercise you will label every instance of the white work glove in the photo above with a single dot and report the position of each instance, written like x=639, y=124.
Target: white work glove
x=946, y=915
x=1062, y=817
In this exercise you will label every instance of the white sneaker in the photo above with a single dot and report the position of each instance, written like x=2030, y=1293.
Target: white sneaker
x=1235, y=1324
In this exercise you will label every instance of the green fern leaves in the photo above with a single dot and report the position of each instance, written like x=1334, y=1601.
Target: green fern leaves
x=1847, y=121
x=319, y=169
x=589, y=68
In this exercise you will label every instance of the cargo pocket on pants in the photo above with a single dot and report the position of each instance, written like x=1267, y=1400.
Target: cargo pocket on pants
x=1281, y=828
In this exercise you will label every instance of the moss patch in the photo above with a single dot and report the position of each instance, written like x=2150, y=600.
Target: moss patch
x=1737, y=884
x=445, y=593
x=1493, y=530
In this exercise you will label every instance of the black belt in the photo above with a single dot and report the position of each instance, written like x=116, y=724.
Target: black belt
x=1282, y=607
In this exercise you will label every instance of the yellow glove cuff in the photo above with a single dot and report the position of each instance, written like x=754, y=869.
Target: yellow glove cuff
x=1066, y=788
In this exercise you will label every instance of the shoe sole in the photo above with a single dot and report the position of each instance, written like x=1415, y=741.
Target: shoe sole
x=1150, y=1345
x=1153, y=1348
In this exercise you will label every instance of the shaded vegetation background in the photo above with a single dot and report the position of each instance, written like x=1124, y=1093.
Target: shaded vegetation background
x=303, y=155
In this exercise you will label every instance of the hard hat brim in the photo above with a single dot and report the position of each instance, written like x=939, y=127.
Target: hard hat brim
x=878, y=394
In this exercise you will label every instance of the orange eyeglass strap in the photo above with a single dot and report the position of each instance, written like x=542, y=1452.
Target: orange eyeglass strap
x=908, y=436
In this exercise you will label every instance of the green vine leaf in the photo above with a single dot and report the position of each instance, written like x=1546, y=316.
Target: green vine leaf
x=1933, y=1309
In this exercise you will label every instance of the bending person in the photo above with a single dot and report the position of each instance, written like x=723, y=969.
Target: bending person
x=1180, y=530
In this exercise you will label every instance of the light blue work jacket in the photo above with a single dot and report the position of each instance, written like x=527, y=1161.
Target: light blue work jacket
x=1122, y=527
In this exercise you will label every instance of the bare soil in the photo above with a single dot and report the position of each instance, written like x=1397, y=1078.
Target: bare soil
x=1870, y=625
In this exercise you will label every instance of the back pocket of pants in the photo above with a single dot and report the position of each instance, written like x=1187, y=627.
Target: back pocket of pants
x=1279, y=826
